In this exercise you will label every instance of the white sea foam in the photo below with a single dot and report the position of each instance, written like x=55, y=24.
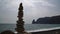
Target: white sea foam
x=42, y=29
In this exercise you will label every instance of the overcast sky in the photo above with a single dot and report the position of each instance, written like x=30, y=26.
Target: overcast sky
x=33, y=9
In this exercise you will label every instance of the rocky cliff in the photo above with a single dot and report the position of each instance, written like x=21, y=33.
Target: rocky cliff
x=47, y=20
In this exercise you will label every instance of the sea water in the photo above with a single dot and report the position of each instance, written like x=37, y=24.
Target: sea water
x=27, y=27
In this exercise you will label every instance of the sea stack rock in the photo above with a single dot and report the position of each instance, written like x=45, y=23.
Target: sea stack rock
x=20, y=23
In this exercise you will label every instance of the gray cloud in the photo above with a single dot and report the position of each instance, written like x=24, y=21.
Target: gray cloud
x=33, y=9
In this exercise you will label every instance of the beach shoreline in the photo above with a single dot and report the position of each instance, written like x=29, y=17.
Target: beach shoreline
x=55, y=30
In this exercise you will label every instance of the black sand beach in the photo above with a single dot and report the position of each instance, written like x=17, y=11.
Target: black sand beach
x=56, y=31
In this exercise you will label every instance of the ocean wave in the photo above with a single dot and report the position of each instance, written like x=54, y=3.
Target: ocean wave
x=38, y=30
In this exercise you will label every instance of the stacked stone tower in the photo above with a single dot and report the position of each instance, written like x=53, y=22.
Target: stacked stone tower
x=20, y=23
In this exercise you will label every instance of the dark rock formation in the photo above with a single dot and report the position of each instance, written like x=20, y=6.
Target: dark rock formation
x=20, y=23
x=7, y=32
x=54, y=19
x=33, y=21
x=48, y=20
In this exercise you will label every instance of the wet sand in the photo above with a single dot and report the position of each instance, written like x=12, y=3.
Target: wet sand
x=56, y=31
